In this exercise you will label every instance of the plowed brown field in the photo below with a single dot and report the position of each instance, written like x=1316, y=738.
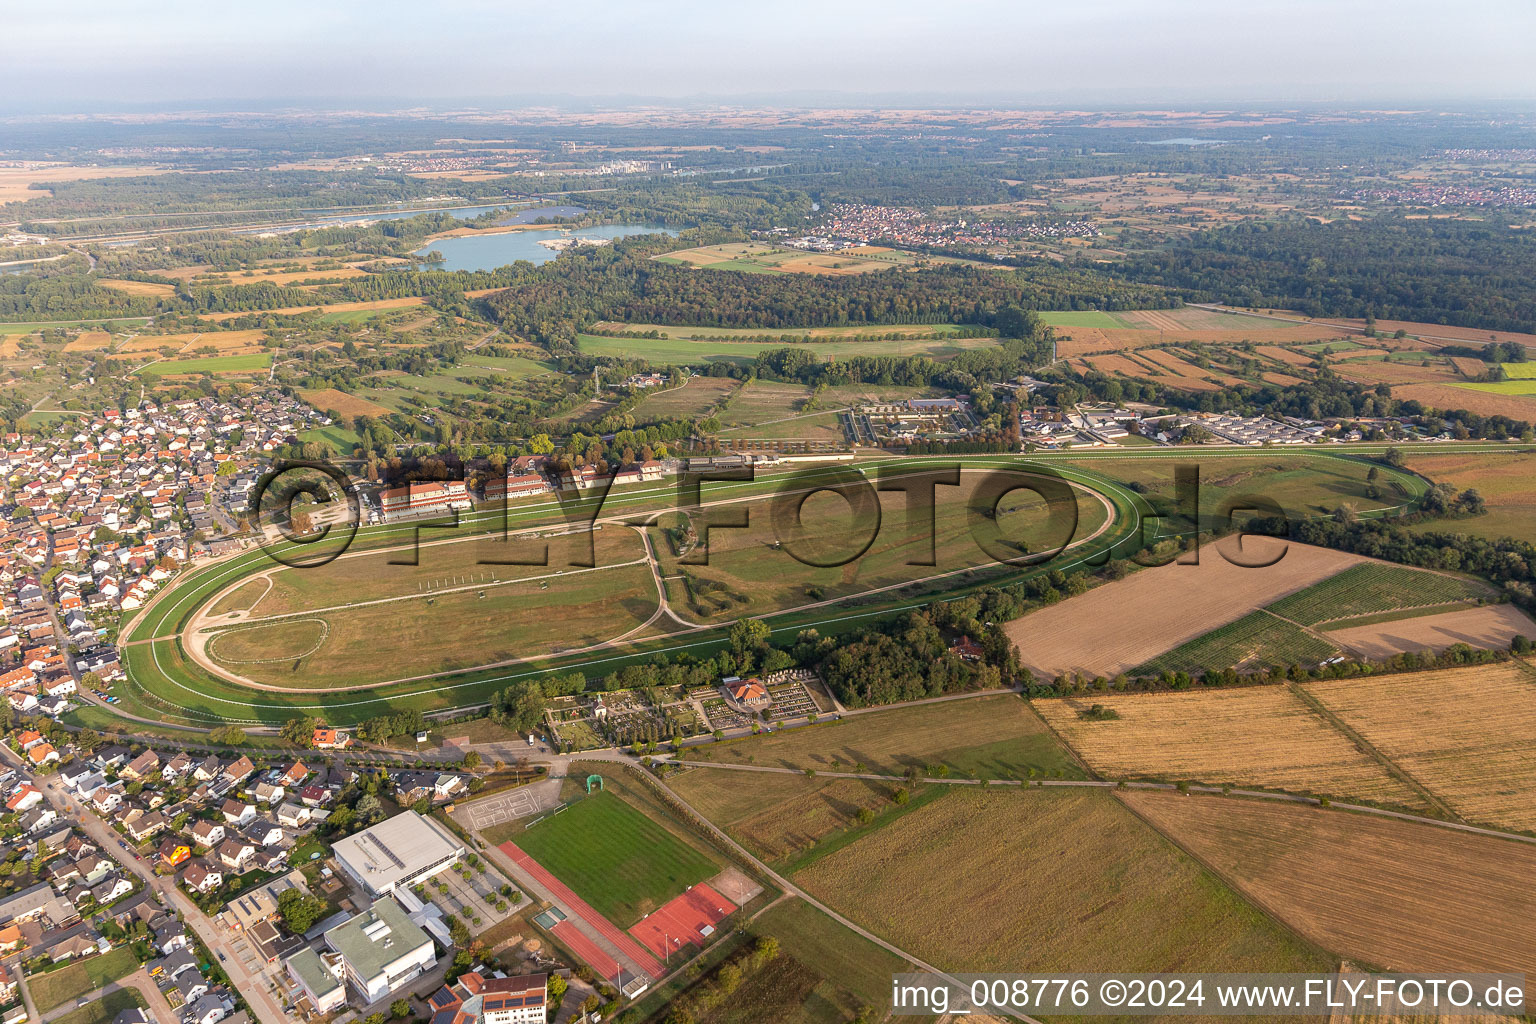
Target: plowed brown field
x=1390, y=894
x=1493, y=626
x=1115, y=627
x=1440, y=396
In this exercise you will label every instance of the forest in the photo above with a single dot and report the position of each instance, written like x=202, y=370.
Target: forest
x=553, y=303
x=1462, y=273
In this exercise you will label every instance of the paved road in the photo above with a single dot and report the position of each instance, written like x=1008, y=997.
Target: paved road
x=159, y=1006
x=264, y=1006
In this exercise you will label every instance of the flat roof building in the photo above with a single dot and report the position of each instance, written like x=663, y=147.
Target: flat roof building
x=381, y=950
x=320, y=983
x=398, y=852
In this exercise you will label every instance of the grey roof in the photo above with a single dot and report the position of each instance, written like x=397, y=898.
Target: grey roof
x=307, y=966
x=376, y=938
x=395, y=849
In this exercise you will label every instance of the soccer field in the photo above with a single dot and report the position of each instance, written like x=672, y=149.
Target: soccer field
x=618, y=860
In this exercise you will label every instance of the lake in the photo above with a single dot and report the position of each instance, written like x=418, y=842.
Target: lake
x=489, y=251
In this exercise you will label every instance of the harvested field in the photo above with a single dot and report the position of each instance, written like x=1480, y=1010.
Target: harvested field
x=1253, y=736
x=1471, y=335
x=1284, y=355
x=778, y=816
x=1469, y=368
x=693, y=400
x=16, y=182
x=328, y=399
x=1493, y=626
x=278, y=277
x=153, y=342
x=1169, y=361
x=987, y=879
x=1506, y=482
x=1395, y=373
x=1117, y=364
x=159, y=291
x=992, y=737
x=1283, y=379
x=1117, y=626
x=90, y=341
x=1393, y=895
x=1468, y=735
x=1443, y=396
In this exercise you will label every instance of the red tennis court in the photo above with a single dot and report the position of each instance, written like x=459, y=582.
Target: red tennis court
x=564, y=896
x=683, y=920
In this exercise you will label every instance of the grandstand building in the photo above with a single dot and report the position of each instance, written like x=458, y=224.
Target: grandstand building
x=420, y=498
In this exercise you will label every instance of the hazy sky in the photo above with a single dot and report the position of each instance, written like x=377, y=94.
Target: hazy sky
x=96, y=54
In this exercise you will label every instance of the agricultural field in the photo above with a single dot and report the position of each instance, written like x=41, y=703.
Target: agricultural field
x=614, y=857
x=761, y=258
x=1067, y=638
x=855, y=972
x=216, y=365
x=1446, y=396
x=1257, y=640
x=1261, y=736
x=1491, y=627
x=159, y=291
x=986, y=737
x=1507, y=482
x=89, y=341
x=349, y=406
x=693, y=346
x=1102, y=891
x=778, y=816
x=1468, y=735
x=1504, y=387
x=1388, y=895
x=695, y=399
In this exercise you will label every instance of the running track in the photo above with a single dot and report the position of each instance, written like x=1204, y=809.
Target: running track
x=605, y=965
x=637, y=954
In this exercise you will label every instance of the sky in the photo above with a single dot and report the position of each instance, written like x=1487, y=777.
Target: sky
x=92, y=55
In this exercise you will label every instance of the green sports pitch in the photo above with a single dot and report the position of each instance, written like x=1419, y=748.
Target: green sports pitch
x=615, y=858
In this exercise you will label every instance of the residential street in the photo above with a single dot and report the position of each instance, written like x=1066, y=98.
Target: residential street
x=265, y=1006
